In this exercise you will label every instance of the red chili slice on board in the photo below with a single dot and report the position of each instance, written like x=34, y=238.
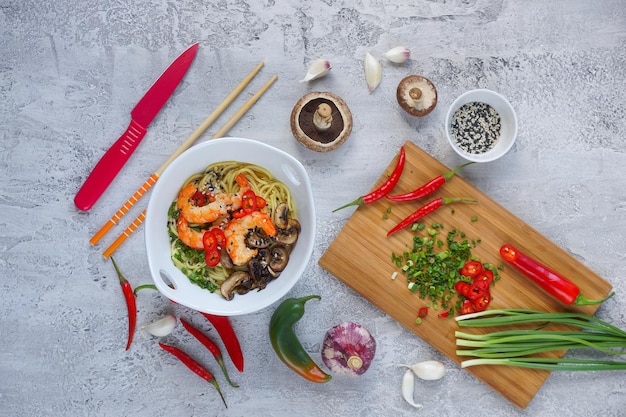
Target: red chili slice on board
x=463, y=288
x=484, y=279
x=467, y=307
x=476, y=291
x=471, y=269
x=481, y=303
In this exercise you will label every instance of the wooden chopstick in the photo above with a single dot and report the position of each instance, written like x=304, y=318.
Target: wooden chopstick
x=182, y=148
x=220, y=133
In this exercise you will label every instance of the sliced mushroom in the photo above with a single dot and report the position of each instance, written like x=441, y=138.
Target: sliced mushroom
x=259, y=273
x=279, y=257
x=230, y=285
x=273, y=274
x=281, y=215
x=416, y=95
x=289, y=234
x=321, y=121
x=225, y=259
x=264, y=257
x=257, y=239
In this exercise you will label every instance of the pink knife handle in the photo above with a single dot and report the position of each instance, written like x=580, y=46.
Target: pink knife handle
x=109, y=165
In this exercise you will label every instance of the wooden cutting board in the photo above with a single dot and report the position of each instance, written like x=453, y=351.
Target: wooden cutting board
x=360, y=257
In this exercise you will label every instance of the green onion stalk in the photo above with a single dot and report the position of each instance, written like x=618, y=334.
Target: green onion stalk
x=515, y=347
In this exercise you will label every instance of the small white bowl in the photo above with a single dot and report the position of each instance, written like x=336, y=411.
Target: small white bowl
x=508, y=120
x=284, y=167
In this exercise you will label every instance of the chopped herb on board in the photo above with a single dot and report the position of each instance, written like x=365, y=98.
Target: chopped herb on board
x=432, y=265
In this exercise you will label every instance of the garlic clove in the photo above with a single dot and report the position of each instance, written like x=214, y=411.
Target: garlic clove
x=161, y=327
x=318, y=69
x=408, y=386
x=348, y=349
x=398, y=55
x=373, y=72
x=428, y=370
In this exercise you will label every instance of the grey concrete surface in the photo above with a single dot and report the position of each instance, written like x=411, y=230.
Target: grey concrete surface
x=70, y=73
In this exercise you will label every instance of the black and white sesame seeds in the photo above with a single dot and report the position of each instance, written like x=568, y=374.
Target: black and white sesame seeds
x=476, y=127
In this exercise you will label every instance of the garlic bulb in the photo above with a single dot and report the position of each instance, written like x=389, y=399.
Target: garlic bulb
x=398, y=55
x=373, y=72
x=348, y=349
x=318, y=69
x=161, y=327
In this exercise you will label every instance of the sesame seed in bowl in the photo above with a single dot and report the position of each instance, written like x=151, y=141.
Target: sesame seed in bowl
x=481, y=125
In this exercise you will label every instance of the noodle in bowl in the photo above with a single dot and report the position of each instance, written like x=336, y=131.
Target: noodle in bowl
x=169, y=278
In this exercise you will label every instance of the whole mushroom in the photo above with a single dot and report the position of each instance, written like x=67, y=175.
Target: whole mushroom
x=321, y=121
x=417, y=95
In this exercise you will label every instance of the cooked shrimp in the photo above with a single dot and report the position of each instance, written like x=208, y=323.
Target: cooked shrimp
x=236, y=232
x=222, y=203
x=187, y=235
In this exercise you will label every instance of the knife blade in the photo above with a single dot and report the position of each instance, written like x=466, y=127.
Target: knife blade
x=142, y=115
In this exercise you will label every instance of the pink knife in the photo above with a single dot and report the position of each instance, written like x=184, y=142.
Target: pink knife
x=144, y=112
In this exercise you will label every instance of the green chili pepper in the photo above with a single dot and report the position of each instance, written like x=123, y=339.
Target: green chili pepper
x=286, y=344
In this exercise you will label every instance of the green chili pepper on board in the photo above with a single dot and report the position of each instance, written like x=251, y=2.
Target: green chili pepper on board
x=286, y=343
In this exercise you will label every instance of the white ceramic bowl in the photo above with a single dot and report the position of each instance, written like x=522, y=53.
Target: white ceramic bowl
x=508, y=120
x=284, y=167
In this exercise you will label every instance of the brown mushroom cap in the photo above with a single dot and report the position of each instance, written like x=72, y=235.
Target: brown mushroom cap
x=305, y=131
x=417, y=95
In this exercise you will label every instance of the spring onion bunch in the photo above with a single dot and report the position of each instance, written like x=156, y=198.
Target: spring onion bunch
x=515, y=347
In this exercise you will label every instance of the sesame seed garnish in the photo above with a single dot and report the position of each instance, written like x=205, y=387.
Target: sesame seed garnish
x=476, y=127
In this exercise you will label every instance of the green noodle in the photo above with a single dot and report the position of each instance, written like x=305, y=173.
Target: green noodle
x=220, y=177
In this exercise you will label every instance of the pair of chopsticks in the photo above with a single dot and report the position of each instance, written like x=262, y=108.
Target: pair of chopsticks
x=183, y=147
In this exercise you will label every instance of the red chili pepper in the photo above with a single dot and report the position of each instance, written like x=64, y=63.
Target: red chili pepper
x=482, y=302
x=227, y=334
x=191, y=363
x=484, y=279
x=199, y=199
x=467, y=307
x=383, y=189
x=476, y=292
x=248, y=202
x=552, y=282
x=471, y=269
x=463, y=288
x=212, y=258
x=131, y=304
x=220, y=236
x=260, y=202
x=422, y=312
x=428, y=188
x=209, y=241
x=210, y=345
x=443, y=315
x=424, y=210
